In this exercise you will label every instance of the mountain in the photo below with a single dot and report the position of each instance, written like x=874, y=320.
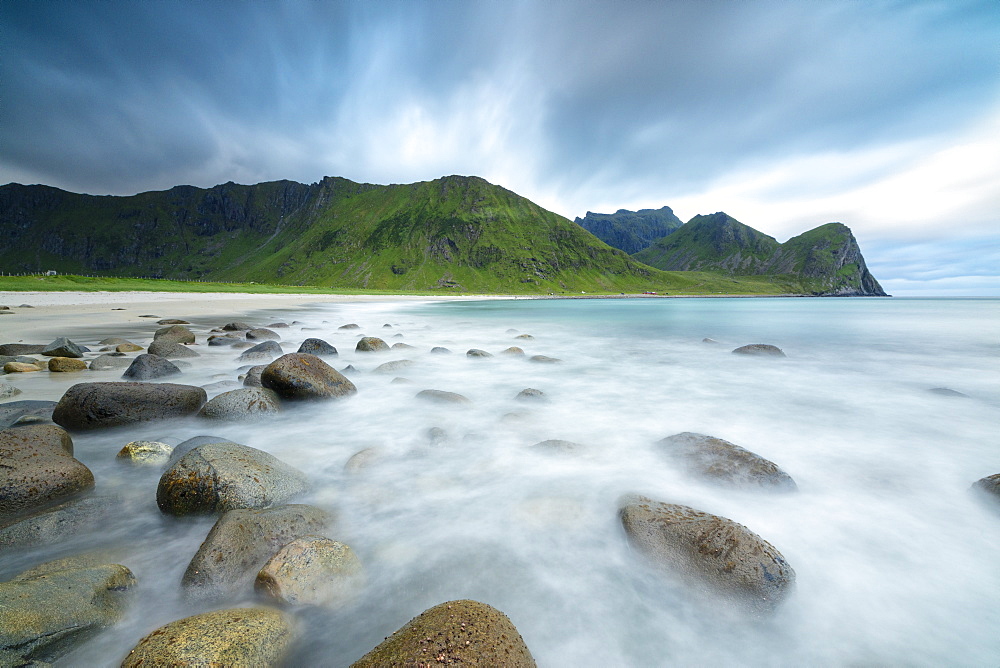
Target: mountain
x=825, y=260
x=630, y=231
x=454, y=233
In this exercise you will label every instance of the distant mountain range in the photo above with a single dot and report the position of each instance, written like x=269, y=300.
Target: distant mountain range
x=455, y=233
x=630, y=231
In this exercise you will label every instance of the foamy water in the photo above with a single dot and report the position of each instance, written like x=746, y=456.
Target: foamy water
x=896, y=563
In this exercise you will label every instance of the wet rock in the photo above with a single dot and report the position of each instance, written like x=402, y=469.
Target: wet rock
x=311, y=570
x=236, y=637
x=317, y=347
x=20, y=367
x=543, y=359
x=476, y=352
x=760, y=349
x=129, y=347
x=262, y=334
x=525, y=337
x=240, y=544
x=174, y=334
x=279, y=325
x=172, y=321
x=25, y=411
x=371, y=344
x=21, y=348
x=723, y=463
x=99, y=405
x=439, y=350
x=63, y=347
x=386, y=326
x=513, y=351
x=350, y=326
x=442, y=397
x=224, y=340
x=268, y=350
x=349, y=369
x=48, y=614
x=145, y=453
x=403, y=346
x=105, y=362
x=511, y=331
x=558, y=446
x=252, y=377
x=77, y=517
x=148, y=367
x=400, y=380
x=713, y=553
x=948, y=392
x=362, y=459
x=113, y=341
x=236, y=327
x=304, y=376
x=392, y=367
x=169, y=350
x=66, y=364
x=190, y=444
x=988, y=488
x=8, y=391
x=707, y=340
x=466, y=632
x=217, y=477
x=221, y=386
x=38, y=469
x=248, y=403
x=530, y=394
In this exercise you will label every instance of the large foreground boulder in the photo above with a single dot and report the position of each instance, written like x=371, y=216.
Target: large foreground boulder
x=99, y=405
x=305, y=376
x=46, y=613
x=458, y=632
x=257, y=637
x=712, y=553
x=217, y=477
x=723, y=463
x=240, y=544
x=37, y=468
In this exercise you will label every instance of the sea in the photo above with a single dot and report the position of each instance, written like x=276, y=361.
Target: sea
x=883, y=411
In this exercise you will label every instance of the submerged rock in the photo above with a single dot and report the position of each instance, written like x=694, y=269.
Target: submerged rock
x=713, y=553
x=558, y=446
x=268, y=350
x=8, y=391
x=252, y=376
x=311, y=570
x=217, y=477
x=988, y=488
x=63, y=347
x=530, y=394
x=544, y=359
x=105, y=362
x=98, y=405
x=458, y=632
x=724, y=463
x=392, y=367
x=476, y=352
x=371, y=344
x=304, y=376
x=948, y=392
x=440, y=350
x=248, y=403
x=442, y=397
x=317, y=347
x=234, y=637
x=25, y=411
x=145, y=453
x=513, y=351
x=174, y=334
x=148, y=367
x=262, y=334
x=760, y=349
x=51, y=525
x=169, y=350
x=241, y=542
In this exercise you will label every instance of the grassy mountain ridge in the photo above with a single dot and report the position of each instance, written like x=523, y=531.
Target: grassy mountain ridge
x=630, y=231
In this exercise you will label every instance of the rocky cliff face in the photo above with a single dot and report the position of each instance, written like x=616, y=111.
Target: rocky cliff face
x=630, y=231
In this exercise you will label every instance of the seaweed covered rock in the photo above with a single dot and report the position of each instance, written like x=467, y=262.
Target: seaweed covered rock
x=712, y=553
x=304, y=376
x=217, y=477
x=234, y=637
x=723, y=463
x=99, y=405
x=466, y=632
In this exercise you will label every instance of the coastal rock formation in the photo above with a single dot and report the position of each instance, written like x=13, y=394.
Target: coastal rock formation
x=724, y=463
x=311, y=570
x=458, y=632
x=304, y=376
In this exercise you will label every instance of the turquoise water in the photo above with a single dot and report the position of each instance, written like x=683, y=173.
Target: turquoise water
x=896, y=563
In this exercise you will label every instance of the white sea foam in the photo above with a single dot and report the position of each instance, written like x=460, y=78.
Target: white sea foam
x=896, y=564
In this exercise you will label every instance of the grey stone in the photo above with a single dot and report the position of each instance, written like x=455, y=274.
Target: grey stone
x=317, y=347
x=262, y=334
x=25, y=410
x=723, y=463
x=112, y=341
x=350, y=326
x=190, y=444
x=304, y=376
x=395, y=365
x=83, y=516
x=440, y=350
x=475, y=352
x=989, y=488
x=99, y=405
x=248, y=403
x=105, y=362
x=8, y=391
x=217, y=477
x=252, y=377
x=63, y=347
x=237, y=327
x=170, y=350
x=558, y=446
x=225, y=340
x=311, y=570
x=371, y=344
x=38, y=469
x=174, y=334
x=268, y=350
x=172, y=321
x=21, y=348
x=544, y=359
x=148, y=367
x=760, y=349
x=513, y=351
x=443, y=397
x=530, y=394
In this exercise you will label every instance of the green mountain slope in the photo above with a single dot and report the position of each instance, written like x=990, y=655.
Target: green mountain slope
x=630, y=231
x=825, y=260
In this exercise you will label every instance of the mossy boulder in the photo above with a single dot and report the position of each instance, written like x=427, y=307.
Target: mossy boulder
x=258, y=637
x=311, y=570
x=304, y=376
x=466, y=632
x=217, y=477
x=37, y=468
x=100, y=405
x=723, y=463
x=712, y=553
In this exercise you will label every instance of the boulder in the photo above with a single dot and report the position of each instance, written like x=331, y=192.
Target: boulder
x=760, y=349
x=105, y=362
x=262, y=334
x=513, y=351
x=20, y=367
x=363, y=459
x=21, y=348
x=99, y=405
x=174, y=334
x=190, y=444
x=38, y=469
x=557, y=446
x=226, y=340
x=317, y=347
x=266, y=351
x=241, y=542
x=63, y=347
x=442, y=397
x=46, y=615
x=25, y=411
x=145, y=453
x=217, y=477
x=476, y=352
x=83, y=516
x=350, y=326
x=278, y=325
x=988, y=488
x=311, y=570
x=544, y=359
x=172, y=321
x=128, y=347
x=713, y=553
x=392, y=367
x=439, y=350
x=525, y=337
x=112, y=341
x=466, y=632
x=370, y=344
x=530, y=394
x=304, y=376
x=148, y=367
x=723, y=463
x=252, y=376
x=235, y=637
x=237, y=327
x=168, y=350
x=66, y=364
x=402, y=346
x=247, y=403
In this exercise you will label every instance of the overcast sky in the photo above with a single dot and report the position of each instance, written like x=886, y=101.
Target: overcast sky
x=882, y=115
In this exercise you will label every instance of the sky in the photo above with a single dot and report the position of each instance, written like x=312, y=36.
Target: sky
x=882, y=115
